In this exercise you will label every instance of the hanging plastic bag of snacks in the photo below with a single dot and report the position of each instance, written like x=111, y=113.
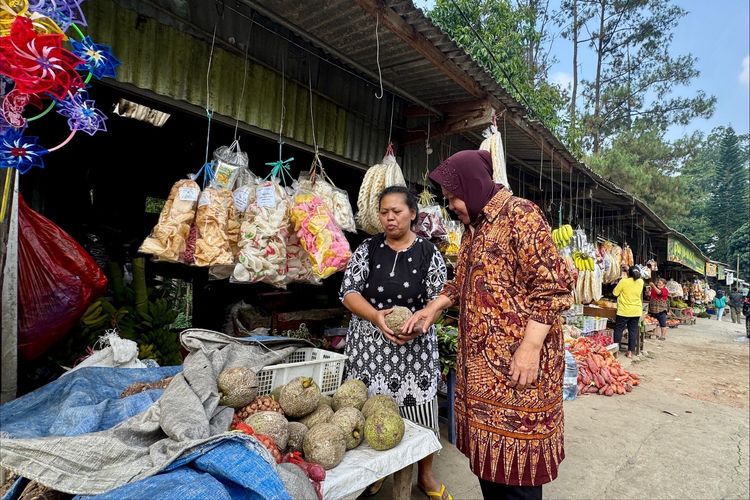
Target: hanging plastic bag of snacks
x=263, y=236
x=318, y=233
x=215, y=221
x=228, y=162
x=169, y=236
x=429, y=222
x=455, y=231
x=299, y=267
x=337, y=200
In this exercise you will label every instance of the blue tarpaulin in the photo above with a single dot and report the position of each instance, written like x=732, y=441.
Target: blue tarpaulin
x=87, y=401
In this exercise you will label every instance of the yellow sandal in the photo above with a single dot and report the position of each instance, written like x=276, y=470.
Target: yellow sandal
x=437, y=494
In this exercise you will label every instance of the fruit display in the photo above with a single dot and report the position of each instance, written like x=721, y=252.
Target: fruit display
x=584, y=261
x=325, y=445
x=271, y=424
x=384, y=430
x=321, y=435
x=352, y=423
x=563, y=236
x=238, y=387
x=352, y=393
x=299, y=397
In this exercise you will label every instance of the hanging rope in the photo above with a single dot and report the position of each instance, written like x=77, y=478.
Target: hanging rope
x=244, y=79
x=312, y=116
x=390, y=126
x=377, y=57
x=209, y=111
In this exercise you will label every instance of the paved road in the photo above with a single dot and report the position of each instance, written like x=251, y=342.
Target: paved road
x=683, y=434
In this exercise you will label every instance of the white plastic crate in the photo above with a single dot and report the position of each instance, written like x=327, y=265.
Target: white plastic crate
x=325, y=367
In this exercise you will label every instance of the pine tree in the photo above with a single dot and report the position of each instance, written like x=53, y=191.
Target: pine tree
x=729, y=202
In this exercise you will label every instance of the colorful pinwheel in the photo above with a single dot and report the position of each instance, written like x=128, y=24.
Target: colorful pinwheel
x=10, y=10
x=63, y=12
x=96, y=57
x=81, y=113
x=19, y=152
x=38, y=63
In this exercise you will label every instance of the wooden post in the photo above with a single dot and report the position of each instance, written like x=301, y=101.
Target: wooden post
x=402, y=483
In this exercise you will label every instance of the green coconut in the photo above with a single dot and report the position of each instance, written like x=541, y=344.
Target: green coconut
x=352, y=423
x=351, y=393
x=378, y=403
x=297, y=431
x=325, y=445
x=299, y=397
x=271, y=424
x=237, y=387
x=384, y=430
x=321, y=415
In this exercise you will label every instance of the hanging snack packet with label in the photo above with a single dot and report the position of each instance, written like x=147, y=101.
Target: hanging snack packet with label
x=168, y=237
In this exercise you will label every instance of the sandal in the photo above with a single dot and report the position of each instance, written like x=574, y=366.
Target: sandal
x=436, y=494
x=373, y=489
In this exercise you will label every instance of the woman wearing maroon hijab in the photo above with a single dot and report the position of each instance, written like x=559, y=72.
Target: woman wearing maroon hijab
x=511, y=286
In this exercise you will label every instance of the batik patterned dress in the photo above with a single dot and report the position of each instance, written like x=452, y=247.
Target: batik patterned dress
x=387, y=278
x=509, y=272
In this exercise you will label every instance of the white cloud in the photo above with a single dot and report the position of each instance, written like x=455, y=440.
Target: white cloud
x=744, y=75
x=562, y=80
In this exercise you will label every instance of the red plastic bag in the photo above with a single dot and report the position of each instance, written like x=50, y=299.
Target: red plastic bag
x=57, y=280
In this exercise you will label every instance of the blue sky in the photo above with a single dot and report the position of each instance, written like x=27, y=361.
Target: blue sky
x=717, y=32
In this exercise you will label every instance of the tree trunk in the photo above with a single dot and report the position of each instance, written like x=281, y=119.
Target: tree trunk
x=598, y=81
x=574, y=92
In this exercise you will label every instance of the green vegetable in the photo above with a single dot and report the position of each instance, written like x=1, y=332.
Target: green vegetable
x=447, y=337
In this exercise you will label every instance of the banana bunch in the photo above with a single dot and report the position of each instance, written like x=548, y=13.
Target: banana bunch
x=583, y=261
x=98, y=314
x=563, y=235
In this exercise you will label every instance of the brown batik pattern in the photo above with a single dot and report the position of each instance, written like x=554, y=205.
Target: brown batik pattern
x=509, y=271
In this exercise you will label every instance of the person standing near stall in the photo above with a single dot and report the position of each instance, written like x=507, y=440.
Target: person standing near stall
x=396, y=268
x=720, y=303
x=511, y=285
x=629, y=291
x=735, y=305
x=658, y=305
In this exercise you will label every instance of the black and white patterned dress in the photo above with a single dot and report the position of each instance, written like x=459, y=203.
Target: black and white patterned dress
x=387, y=278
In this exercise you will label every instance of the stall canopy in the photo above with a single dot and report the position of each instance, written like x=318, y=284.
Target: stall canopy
x=680, y=252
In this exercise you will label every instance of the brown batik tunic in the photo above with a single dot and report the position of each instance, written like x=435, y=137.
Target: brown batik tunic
x=508, y=272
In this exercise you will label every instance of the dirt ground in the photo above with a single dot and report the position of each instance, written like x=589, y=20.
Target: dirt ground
x=683, y=434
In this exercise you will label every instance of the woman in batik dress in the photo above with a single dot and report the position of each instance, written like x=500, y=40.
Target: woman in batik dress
x=511, y=286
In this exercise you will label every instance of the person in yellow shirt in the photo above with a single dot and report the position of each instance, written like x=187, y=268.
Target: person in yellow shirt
x=629, y=293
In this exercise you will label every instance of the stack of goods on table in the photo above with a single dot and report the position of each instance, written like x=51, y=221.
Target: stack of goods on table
x=299, y=424
x=599, y=372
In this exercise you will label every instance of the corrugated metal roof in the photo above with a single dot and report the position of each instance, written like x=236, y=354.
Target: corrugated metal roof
x=170, y=58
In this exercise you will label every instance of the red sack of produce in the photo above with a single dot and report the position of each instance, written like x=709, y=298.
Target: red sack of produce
x=57, y=280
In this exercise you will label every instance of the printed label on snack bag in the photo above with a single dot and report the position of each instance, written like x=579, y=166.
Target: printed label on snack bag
x=265, y=196
x=188, y=194
x=205, y=199
x=241, y=197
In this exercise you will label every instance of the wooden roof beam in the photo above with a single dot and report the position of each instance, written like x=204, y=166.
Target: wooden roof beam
x=388, y=18
x=459, y=118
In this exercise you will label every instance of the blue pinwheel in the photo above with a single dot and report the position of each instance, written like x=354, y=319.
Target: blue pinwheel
x=20, y=152
x=81, y=113
x=96, y=57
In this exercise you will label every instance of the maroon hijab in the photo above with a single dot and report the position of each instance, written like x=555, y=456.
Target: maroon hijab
x=467, y=175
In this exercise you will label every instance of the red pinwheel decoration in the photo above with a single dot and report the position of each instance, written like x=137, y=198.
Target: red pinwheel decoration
x=34, y=67
x=38, y=63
